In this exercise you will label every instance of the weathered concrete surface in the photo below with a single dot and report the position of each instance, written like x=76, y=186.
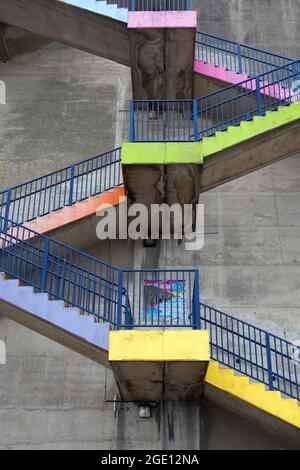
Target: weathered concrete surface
x=158, y=184
x=266, y=24
x=64, y=105
x=163, y=184
x=162, y=63
x=227, y=430
x=153, y=381
x=69, y=25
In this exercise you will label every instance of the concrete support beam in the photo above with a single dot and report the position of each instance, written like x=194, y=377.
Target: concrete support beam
x=159, y=365
x=155, y=173
x=162, y=54
x=188, y=169
x=69, y=25
x=183, y=183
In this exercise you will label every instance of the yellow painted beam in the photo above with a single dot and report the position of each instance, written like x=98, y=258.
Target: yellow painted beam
x=254, y=394
x=159, y=345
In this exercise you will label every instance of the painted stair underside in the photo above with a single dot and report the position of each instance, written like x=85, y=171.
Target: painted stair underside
x=233, y=78
x=72, y=214
x=52, y=319
x=244, y=397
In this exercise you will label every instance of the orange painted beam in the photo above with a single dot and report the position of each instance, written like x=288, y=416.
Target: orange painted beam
x=70, y=214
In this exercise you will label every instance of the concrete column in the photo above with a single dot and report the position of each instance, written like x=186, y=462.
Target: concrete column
x=162, y=54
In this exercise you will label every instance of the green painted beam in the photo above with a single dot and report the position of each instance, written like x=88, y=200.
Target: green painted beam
x=161, y=154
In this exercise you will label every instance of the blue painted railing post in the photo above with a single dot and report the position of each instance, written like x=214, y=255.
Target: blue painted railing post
x=196, y=303
x=45, y=266
x=258, y=97
x=131, y=122
x=195, y=114
x=7, y=207
x=133, y=5
x=269, y=362
x=187, y=6
x=120, y=297
x=128, y=317
x=240, y=67
x=71, y=185
x=295, y=71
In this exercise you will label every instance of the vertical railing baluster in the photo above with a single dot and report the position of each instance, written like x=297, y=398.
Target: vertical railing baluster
x=195, y=115
x=269, y=362
x=240, y=64
x=45, y=266
x=131, y=130
x=7, y=207
x=120, y=296
x=71, y=185
x=258, y=97
x=196, y=303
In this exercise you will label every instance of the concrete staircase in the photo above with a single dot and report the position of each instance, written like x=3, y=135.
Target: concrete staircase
x=69, y=215
x=52, y=319
x=98, y=27
x=101, y=8
x=252, y=400
x=217, y=159
x=231, y=77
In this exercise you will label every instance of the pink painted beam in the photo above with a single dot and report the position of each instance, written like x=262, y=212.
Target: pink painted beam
x=220, y=73
x=234, y=78
x=162, y=19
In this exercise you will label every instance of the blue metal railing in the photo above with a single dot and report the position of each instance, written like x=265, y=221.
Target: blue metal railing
x=152, y=5
x=235, y=56
x=62, y=272
x=252, y=351
x=192, y=120
x=65, y=187
x=163, y=297
x=146, y=298
x=125, y=298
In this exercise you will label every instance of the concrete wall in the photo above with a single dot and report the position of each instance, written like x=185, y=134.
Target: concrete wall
x=72, y=26
x=272, y=25
x=64, y=105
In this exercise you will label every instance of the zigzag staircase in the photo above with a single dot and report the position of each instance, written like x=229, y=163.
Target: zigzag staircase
x=76, y=299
